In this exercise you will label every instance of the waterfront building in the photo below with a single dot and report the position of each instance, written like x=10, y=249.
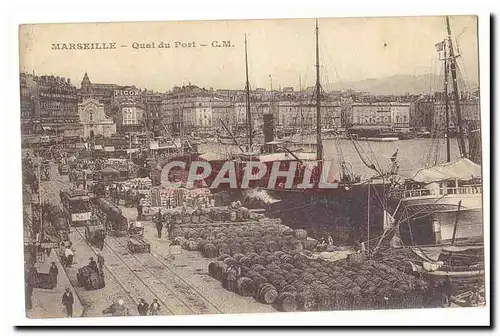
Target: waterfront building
x=393, y=114
x=469, y=109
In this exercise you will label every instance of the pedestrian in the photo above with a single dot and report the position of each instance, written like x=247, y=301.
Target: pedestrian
x=143, y=307
x=53, y=272
x=101, y=239
x=67, y=301
x=154, y=308
x=446, y=290
x=171, y=226
x=93, y=264
x=139, y=208
x=100, y=261
x=68, y=253
x=31, y=281
x=159, y=223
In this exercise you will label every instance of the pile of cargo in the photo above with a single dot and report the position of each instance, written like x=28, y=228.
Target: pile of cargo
x=274, y=264
x=242, y=237
x=291, y=282
x=138, y=184
x=177, y=197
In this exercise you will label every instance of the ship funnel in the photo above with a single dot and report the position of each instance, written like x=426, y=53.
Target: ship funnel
x=268, y=127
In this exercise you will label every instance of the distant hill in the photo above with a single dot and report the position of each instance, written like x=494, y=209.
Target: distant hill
x=394, y=85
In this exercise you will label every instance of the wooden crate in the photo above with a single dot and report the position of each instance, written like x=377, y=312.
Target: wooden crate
x=139, y=245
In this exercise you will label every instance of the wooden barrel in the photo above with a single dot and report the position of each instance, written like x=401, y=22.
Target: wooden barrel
x=238, y=256
x=267, y=294
x=222, y=257
x=235, y=248
x=258, y=280
x=245, y=261
x=289, y=288
x=209, y=250
x=192, y=245
x=306, y=301
x=286, y=302
x=245, y=286
x=300, y=234
x=258, y=268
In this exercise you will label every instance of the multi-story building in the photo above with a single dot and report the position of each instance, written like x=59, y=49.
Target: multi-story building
x=469, y=110
x=392, y=114
x=28, y=90
x=94, y=120
x=131, y=118
x=291, y=112
x=50, y=103
x=422, y=115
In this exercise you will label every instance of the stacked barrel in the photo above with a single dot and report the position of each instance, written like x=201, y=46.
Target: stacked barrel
x=291, y=281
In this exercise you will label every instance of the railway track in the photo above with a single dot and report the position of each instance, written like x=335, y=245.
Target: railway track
x=190, y=296
x=126, y=276
x=143, y=275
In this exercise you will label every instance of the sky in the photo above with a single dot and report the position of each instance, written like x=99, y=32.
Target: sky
x=351, y=49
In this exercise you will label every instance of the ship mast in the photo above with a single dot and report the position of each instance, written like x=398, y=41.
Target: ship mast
x=319, y=143
x=247, y=89
x=446, y=104
x=453, y=69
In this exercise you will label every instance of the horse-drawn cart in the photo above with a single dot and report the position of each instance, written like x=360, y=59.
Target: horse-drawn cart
x=95, y=233
x=90, y=278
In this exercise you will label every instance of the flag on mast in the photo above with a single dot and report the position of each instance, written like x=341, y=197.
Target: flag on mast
x=440, y=46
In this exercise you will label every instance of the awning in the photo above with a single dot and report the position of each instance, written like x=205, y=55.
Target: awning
x=285, y=156
x=98, y=147
x=109, y=170
x=211, y=157
x=462, y=169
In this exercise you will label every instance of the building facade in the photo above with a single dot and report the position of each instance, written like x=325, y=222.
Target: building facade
x=469, y=109
x=94, y=120
x=131, y=118
x=54, y=104
x=392, y=114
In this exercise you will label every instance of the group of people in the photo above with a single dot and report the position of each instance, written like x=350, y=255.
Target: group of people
x=120, y=309
x=152, y=309
x=161, y=221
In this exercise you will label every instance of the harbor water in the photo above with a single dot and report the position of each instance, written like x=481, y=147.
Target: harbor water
x=412, y=154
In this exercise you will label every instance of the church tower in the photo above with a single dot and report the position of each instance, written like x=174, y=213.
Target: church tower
x=86, y=86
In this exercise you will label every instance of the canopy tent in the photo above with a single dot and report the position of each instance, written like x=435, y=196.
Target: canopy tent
x=210, y=156
x=462, y=169
x=109, y=170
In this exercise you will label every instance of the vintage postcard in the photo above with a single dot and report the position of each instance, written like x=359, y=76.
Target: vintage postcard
x=251, y=166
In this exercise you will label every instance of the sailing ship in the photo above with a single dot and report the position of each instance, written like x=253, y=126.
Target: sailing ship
x=436, y=197
x=340, y=210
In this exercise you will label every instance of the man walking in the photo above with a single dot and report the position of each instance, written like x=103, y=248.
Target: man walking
x=159, y=224
x=67, y=301
x=100, y=261
x=142, y=307
x=53, y=272
x=155, y=307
